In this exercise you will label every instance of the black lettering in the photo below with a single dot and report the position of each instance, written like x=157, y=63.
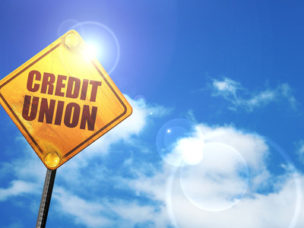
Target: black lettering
x=71, y=117
x=88, y=118
x=26, y=108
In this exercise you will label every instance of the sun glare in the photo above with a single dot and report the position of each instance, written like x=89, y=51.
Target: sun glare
x=92, y=50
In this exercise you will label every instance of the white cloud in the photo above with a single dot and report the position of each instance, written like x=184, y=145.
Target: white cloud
x=223, y=150
x=238, y=96
x=17, y=188
x=227, y=86
x=85, y=212
x=27, y=171
x=132, y=213
x=218, y=193
x=127, y=213
x=280, y=209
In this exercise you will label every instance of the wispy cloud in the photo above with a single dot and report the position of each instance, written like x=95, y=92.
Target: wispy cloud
x=240, y=97
x=108, y=213
x=17, y=188
x=133, y=213
x=82, y=211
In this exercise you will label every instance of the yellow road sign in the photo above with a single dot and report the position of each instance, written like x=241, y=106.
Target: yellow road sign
x=62, y=100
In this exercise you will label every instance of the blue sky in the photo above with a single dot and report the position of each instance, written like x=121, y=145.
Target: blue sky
x=215, y=138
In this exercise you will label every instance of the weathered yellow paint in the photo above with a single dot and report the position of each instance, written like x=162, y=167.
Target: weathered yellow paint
x=57, y=143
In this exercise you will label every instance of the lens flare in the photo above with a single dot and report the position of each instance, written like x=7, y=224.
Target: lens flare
x=101, y=41
x=168, y=141
x=92, y=50
x=223, y=178
x=216, y=187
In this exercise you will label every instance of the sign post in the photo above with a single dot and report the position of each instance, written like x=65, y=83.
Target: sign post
x=62, y=100
x=46, y=198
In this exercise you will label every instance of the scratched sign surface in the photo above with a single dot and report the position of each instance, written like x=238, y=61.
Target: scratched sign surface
x=62, y=100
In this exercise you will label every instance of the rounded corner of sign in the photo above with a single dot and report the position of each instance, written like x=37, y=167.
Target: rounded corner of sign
x=129, y=110
x=72, y=31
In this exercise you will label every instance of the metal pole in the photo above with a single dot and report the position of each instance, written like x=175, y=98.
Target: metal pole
x=46, y=198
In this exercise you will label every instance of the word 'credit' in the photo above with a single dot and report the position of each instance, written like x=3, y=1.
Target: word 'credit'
x=55, y=111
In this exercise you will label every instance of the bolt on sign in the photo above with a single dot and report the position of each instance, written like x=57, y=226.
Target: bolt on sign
x=62, y=100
